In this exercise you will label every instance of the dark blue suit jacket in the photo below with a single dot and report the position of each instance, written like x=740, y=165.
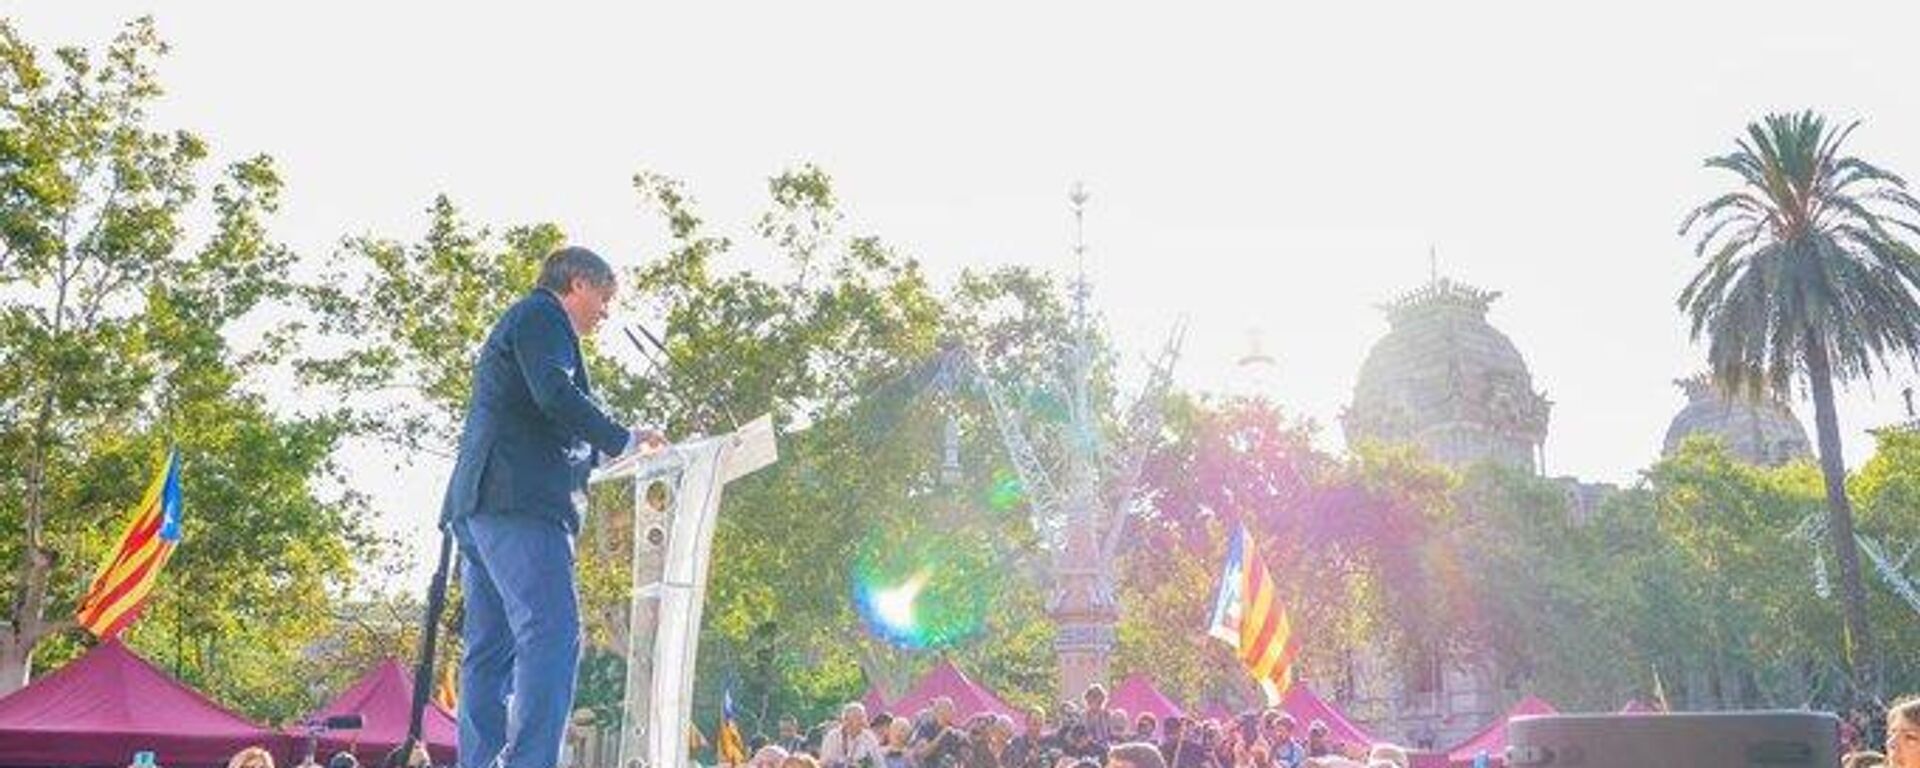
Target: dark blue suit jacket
x=533, y=431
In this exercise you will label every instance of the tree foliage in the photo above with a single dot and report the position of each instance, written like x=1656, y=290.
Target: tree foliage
x=122, y=335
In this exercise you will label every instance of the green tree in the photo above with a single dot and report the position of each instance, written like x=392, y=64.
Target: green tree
x=412, y=316
x=838, y=341
x=1886, y=492
x=1806, y=277
x=120, y=337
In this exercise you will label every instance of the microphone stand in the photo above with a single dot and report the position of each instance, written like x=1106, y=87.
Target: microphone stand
x=429, y=643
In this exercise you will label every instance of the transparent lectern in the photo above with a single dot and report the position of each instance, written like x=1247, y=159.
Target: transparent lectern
x=676, y=496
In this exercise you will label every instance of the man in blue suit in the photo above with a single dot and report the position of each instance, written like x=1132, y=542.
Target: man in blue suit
x=533, y=432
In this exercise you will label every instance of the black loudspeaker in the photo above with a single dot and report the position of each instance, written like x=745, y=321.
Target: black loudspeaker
x=1692, y=740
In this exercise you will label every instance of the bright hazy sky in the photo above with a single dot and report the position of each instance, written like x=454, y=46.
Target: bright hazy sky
x=1279, y=166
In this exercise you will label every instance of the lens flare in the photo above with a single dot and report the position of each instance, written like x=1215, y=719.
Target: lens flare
x=925, y=589
x=894, y=607
x=1006, y=493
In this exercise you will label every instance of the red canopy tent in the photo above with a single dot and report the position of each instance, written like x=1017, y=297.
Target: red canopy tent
x=945, y=679
x=1136, y=694
x=384, y=700
x=1306, y=707
x=109, y=704
x=1493, y=738
x=874, y=701
x=1217, y=712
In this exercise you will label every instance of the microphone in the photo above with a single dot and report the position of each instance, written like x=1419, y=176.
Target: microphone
x=671, y=365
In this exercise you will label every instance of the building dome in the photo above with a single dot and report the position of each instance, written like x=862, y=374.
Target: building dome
x=1762, y=432
x=1447, y=381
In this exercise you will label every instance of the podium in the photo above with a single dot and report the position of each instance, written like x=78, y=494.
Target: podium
x=676, y=497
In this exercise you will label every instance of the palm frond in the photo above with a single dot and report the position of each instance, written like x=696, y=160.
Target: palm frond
x=1805, y=249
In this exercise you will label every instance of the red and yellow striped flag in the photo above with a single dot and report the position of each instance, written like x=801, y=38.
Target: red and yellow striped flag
x=446, y=693
x=1248, y=617
x=125, y=579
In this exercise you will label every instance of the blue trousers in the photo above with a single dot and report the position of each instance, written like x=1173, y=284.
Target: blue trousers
x=522, y=638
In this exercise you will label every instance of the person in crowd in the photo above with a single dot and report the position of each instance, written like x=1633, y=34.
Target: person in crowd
x=1903, y=733
x=1288, y=752
x=1003, y=729
x=817, y=735
x=1249, y=745
x=1393, y=755
x=1425, y=738
x=800, y=760
x=1863, y=758
x=1221, y=738
x=1135, y=754
x=769, y=756
x=1261, y=756
x=1099, y=723
x=852, y=744
x=941, y=721
x=1025, y=750
x=1119, y=726
x=251, y=757
x=1146, y=727
x=987, y=744
x=790, y=738
x=896, y=753
x=1079, y=744
x=949, y=748
x=343, y=759
x=1335, y=761
x=1181, y=744
x=1319, y=744
x=1170, y=741
x=1853, y=734
x=939, y=742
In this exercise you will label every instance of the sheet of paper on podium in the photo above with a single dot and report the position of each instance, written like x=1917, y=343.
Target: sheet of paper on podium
x=749, y=448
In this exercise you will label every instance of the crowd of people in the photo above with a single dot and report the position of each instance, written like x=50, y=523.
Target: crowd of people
x=1090, y=734
x=1084, y=734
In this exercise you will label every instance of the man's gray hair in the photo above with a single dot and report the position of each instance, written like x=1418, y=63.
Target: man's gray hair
x=573, y=262
x=1138, y=754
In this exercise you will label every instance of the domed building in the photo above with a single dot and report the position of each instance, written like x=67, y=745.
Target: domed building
x=1762, y=432
x=1446, y=380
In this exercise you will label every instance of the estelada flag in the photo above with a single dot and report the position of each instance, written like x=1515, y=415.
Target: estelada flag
x=127, y=577
x=1248, y=617
x=446, y=693
x=733, y=748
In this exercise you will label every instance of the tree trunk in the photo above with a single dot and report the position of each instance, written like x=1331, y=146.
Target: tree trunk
x=1862, y=661
x=26, y=622
x=15, y=662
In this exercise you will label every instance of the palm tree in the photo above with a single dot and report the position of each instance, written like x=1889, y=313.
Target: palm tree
x=1806, y=274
